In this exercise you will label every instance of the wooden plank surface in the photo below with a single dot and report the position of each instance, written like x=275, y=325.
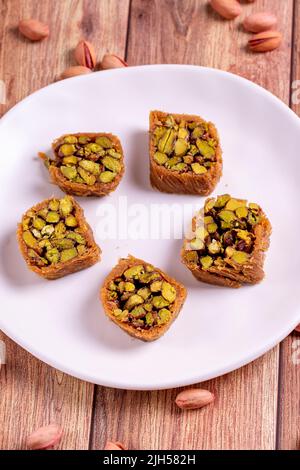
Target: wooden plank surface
x=242, y=417
x=289, y=404
x=245, y=412
x=33, y=394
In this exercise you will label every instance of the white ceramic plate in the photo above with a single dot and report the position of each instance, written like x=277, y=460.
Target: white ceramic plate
x=218, y=330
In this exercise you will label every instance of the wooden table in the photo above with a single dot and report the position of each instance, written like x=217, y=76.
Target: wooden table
x=257, y=407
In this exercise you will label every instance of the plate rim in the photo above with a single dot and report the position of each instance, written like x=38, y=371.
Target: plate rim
x=216, y=372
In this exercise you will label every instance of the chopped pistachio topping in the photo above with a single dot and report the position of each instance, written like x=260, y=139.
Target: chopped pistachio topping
x=52, y=234
x=142, y=297
x=184, y=146
x=224, y=233
x=88, y=160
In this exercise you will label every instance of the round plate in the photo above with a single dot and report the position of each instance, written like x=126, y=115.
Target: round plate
x=219, y=329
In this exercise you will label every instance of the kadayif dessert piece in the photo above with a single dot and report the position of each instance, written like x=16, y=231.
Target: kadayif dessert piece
x=55, y=239
x=185, y=154
x=86, y=164
x=141, y=299
x=227, y=243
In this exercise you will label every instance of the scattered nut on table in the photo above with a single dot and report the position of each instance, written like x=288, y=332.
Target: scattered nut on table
x=33, y=29
x=259, y=22
x=45, y=437
x=265, y=41
x=112, y=61
x=228, y=9
x=194, y=398
x=85, y=54
x=114, y=446
x=74, y=71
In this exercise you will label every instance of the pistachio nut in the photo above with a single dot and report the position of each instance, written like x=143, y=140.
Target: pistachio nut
x=223, y=233
x=88, y=159
x=51, y=233
x=85, y=54
x=141, y=297
x=183, y=145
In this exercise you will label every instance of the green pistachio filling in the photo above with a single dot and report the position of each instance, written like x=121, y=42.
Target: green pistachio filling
x=52, y=234
x=184, y=145
x=88, y=160
x=224, y=233
x=142, y=297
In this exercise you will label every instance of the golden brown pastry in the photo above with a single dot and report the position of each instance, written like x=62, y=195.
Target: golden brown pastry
x=185, y=154
x=141, y=299
x=227, y=243
x=55, y=239
x=86, y=164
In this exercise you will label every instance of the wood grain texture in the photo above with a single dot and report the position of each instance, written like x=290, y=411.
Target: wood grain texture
x=242, y=417
x=189, y=32
x=36, y=64
x=245, y=413
x=289, y=384
x=33, y=394
x=289, y=394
